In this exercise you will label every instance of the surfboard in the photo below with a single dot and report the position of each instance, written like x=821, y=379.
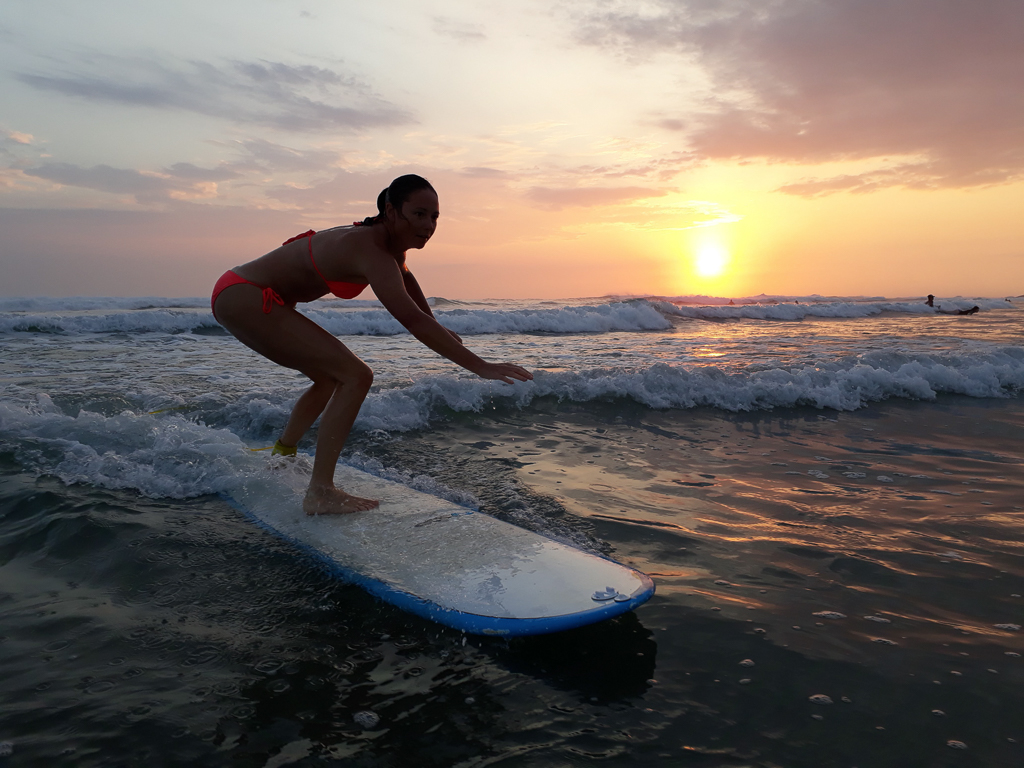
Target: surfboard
x=443, y=562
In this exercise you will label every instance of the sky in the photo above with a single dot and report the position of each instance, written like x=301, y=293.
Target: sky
x=579, y=148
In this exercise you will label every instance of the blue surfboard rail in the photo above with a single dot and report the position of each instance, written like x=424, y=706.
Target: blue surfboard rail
x=470, y=623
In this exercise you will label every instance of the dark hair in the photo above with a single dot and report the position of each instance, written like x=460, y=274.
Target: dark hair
x=397, y=192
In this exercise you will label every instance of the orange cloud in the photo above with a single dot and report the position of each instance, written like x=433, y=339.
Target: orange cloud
x=937, y=84
x=588, y=197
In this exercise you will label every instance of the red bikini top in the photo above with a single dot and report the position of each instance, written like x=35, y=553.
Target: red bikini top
x=339, y=288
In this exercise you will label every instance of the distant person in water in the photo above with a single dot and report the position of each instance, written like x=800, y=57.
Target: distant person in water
x=930, y=301
x=256, y=303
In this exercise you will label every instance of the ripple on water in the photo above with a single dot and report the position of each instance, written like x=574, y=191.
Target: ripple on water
x=268, y=666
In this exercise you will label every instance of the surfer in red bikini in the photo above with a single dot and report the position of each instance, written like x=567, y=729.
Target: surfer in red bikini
x=256, y=303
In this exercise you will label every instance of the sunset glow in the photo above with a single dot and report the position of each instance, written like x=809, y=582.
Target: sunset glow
x=156, y=140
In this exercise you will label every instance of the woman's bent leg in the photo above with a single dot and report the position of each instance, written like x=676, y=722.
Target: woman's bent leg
x=294, y=341
x=335, y=425
x=309, y=405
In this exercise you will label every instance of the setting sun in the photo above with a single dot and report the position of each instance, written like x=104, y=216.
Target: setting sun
x=710, y=259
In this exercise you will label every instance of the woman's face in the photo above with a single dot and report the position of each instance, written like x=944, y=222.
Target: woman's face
x=418, y=218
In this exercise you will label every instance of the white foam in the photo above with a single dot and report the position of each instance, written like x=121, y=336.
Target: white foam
x=342, y=320
x=824, y=309
x=601, y=318
x=158, y=457
x=87, y=303
x=367, y=318
x=142, y=321
x=844, y=386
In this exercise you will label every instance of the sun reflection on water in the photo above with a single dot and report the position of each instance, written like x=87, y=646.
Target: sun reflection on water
x=707, y=352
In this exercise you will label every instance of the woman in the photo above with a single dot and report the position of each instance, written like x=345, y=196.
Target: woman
x=256, y=303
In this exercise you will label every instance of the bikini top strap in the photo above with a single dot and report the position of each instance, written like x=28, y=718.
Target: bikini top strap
x=313, y=261
x=308, y=233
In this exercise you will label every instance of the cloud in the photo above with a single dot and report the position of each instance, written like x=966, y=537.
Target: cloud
x=909, y=175
x=481, y=172
x=13, y=147
x=588, y=197
x=932, y=84
x=179, y=251
x=268, y=155
x=16, y=137
x=249, y=160
x=284, y=96
x=344, y=194
x=660, y=168
x=190, y=172
x=181, y=181
x=662, y=214
x=459, y=30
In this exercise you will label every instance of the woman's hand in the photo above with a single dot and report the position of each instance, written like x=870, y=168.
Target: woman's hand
x=453, y=334
x=505, y=372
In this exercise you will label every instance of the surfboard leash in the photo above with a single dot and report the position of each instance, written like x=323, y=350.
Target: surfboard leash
x=278, y=447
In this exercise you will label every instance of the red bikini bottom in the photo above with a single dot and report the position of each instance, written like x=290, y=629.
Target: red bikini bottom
x=229, y=278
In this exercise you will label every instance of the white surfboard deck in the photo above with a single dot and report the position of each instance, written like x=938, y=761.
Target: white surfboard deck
x=444, y=562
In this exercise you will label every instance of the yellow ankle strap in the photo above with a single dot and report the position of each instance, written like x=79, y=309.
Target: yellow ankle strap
x=280, y=449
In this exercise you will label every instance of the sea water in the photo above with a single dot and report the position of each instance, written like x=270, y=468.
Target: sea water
x=827, y=491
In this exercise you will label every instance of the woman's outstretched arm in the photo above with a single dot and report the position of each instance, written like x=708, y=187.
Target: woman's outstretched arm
x=388, y=284
x=415, y=292
x=412, y=287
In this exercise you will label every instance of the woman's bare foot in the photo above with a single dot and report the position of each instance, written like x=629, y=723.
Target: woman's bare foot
x=334, y=501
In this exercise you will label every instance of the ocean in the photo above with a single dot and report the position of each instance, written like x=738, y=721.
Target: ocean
x=827, y=491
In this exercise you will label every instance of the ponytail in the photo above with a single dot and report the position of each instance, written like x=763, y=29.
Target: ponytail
x=396, y=193
x=382, y=200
